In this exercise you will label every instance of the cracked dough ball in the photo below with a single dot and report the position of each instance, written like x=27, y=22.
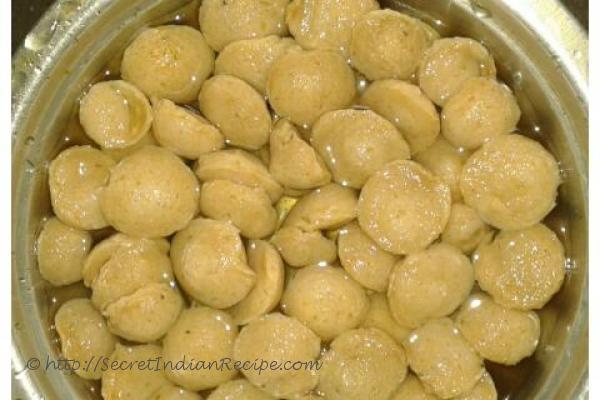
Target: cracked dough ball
x=251, y=59
x=429, y=284
x=170, y=61
x=497, y=333
x=176, y=393
x=412, y=389
x=61, y=251
x=183, y=131
x=328, y=207
x=151, y=193
x=387, y=44
x=484, y=390
x=448, y=63
x=379, y=316
x=465, y=228
x=83, y=335
x=77, y=178
x=224, y=22
x=403, y=207
x=293, y=162
x=363, y=259
x=300, y=248
x=134, y=383
x=206, y=254
x=239, y=389
x=248, y=208
x=200, y=334
x=511, y=181
x=115, y=114
x=481, y=110
x=521, y=269
x=266, y=262
x=238, y=110
x=405, y=105
x=326, y=299
x=442, y=359
x=326, y=24
x=362, y=364
x=302, y=85
x=240, y=167
x=356, y=143
x=278, y=338
x=445, y=161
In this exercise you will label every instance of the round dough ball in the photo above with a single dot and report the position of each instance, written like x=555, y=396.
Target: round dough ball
x=403, y=207
x=250, y=60
x=278, y=338
x=77, y=177
x=326, y=299
x=134, y=383
x=238, y=110
x=379, y=316
x=443, y=359
x=387, y=44
x=405, y=105
x=521, y=269
x=170, y=61
x=300, y=248
x=302, y=85
x=248, y=208
x=429, y=284
x=61, y=251
x=151, y=193
x=481, y=110
x=497, y=333
x=83, y=335
x=511, y=181
x=362, y=364
x=115, y=114
x=266, y=262
x=465, y=229
x=293, y=162
x=363, y=260
x=184, y=132
x=239, y=389
x=445, y=161
x=484, y=390
x=326, y=24
x=206, y=254
x=204, y=335
x=224, y=22
x=240, y=167
x=412, y=389
x=448, y=63
x=145, y=315
x=328, y=207
x=176, y=393
x=356, y=143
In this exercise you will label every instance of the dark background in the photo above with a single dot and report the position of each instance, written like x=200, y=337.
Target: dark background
x=25, y=14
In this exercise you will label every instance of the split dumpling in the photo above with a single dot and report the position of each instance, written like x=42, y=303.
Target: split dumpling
x=300, y=247
x=362, y=364
x=170, y=61
x=77, y=177
x=448, y=63
x=115, y=114
x=151, y=193
x=206, y=255
x=511, y=181
x=302, y=85
x=224, y=22
x=403, y=207
x=356, y=143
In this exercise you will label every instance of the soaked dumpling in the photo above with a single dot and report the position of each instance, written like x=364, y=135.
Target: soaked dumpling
x=239, y=389
x=412, y=389
x=465, y=228
x=300, y=248
x=379, y=316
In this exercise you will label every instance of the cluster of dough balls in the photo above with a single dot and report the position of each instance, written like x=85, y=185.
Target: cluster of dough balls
x=313, y=181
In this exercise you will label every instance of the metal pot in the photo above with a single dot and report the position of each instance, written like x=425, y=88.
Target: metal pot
x=541, y=52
